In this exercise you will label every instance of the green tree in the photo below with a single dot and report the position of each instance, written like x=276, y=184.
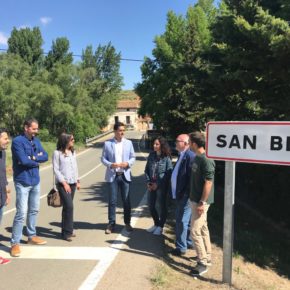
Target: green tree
x=171, y=90
x=27, y=43
x=250, y=59
x=14, y=82
x=59, y=53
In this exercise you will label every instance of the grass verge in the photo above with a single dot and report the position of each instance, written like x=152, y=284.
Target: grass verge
x=260, y=257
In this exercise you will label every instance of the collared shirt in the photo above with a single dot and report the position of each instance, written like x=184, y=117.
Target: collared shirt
x=119, y=154
x=175, y=173
x=27, y=155
x=65, y=167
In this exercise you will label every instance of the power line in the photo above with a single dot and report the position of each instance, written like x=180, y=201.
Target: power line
x=125, y=59
x=79, y=55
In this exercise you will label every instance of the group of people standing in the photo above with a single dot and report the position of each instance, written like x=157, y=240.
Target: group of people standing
x=27, y=155
x=190, y=184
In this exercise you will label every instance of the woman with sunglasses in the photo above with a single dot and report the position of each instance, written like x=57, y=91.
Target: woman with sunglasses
x=66, y=179
x=158, y=171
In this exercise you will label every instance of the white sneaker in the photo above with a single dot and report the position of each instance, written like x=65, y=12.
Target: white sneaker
x=158, y=231
x=151, y=229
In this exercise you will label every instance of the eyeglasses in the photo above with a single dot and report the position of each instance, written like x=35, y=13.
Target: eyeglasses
x=176, y=141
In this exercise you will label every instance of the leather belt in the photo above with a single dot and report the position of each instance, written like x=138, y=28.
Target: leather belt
x=119, y=173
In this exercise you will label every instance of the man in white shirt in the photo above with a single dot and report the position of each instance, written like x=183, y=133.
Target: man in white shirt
x=118, y=156
x=180, y=183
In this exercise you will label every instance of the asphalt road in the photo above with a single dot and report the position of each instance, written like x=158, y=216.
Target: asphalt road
x=82, y=263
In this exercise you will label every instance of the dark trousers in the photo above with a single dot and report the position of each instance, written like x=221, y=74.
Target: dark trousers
x=157, y=206
x=67, y=221
x=120, y=184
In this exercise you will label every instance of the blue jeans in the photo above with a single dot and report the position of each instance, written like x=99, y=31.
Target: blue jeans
x=157, y=206
x=27, y=206
x=120, y=184
x=182, y=226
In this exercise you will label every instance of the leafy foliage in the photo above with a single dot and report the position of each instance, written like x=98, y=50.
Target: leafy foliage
x=230, y=63
x=62, y=95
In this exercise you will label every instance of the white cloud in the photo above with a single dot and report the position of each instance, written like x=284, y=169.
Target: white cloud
x=45, y=20
x=3, y=39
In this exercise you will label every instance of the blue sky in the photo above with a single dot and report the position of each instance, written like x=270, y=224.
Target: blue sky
x=130, y=25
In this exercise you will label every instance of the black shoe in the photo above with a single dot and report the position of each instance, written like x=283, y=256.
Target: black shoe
x=190, y=247
x=177, y=252
x=110, y=228
x=128, y=228
x=198, y=270
x=67, y=238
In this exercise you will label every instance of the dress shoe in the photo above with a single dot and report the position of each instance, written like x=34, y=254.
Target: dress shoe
x=15, y=250
x=110, y=228
x=68, y=238
x=36, y=241
x=128, y=228
x=177, y=253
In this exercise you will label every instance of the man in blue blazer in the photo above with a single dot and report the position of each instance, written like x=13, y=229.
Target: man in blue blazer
x=118, y=156
x=180, y=185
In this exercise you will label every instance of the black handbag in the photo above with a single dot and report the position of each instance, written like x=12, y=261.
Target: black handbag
x=54, y=199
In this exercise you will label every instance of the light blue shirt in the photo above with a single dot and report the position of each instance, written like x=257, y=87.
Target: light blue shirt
x=174, y=175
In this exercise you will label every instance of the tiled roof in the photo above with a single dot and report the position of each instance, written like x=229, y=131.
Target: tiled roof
x=128, y=104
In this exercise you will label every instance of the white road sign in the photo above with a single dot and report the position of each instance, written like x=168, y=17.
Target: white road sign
x=254, y=142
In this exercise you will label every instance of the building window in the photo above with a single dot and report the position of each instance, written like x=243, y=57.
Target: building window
x=128, y=121
x=128, y=110
x=116, y=119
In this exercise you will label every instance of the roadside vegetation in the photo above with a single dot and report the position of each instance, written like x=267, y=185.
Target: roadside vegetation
x=260, y=258
x=230, y=63
x=61, y=94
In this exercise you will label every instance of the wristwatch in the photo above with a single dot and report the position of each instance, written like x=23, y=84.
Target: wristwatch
x=202, y=202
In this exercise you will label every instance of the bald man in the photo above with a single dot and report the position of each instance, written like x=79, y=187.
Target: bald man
x=180, y=184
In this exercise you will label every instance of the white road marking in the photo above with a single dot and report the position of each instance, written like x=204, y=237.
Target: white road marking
x=100, y=269
x=105, y=255
x=61, y=253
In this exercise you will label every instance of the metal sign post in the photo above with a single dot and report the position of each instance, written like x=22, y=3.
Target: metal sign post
x=228, y=236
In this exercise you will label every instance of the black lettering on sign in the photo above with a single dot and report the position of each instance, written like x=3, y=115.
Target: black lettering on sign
x=252, y=143
x=222, y=142
x=288, y=144
x=276, y=143
x=235, y=142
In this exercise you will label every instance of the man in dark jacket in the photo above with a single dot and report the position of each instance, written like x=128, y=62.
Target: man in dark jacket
x=4, y=191
x=180, y=183
x=27, y=154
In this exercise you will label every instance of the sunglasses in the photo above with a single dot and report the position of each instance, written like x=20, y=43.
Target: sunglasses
x=33, y=146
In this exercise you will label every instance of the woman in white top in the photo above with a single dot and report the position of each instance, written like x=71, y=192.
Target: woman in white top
x=66, y=179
